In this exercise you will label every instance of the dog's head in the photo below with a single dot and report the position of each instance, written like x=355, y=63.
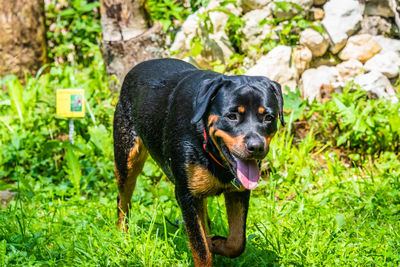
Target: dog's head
x=241, y=114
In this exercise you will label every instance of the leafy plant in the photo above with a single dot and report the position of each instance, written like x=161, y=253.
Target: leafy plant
x=289, y=27
x=359, y=123
x=74, y=30
x=167, y=12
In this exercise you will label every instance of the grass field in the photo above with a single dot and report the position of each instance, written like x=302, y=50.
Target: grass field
x=303, y=213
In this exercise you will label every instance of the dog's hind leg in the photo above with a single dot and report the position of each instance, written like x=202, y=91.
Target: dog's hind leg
x=130, y=156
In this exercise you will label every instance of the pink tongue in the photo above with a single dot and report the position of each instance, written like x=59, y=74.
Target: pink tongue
x=248, y=173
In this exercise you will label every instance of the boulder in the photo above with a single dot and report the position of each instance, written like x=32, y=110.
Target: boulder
x=327, y=59
x=302, y=57
x=317, y=14
x=249, y=5
x=378, y=84
x=216, y=46
x=282, y=14
x=342, y=18
x=375, y=25
x=388, y=44
x=387, y=63
x=276, y=65
x=319, y=2
x=254, y=33
x=349, y=69
x=313, y=80
x=378, y=8
x=314, y=41
x=187, y=32
x=361, y=47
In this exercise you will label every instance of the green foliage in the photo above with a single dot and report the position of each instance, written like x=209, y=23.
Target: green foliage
x=37, y=147
x=358, y=123
x=74, y=30
x=73, y=168
x=289, y=27
x=167, y=12
x=3, y=245
x=293, y=105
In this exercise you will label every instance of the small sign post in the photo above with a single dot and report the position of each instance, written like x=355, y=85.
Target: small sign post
x=70, y=104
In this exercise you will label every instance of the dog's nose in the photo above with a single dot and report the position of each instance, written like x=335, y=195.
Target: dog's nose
x=255, y=145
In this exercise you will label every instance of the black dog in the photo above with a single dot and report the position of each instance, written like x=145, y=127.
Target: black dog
x=206, y=131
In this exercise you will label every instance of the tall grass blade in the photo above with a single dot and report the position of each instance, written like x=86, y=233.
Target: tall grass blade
x=73, y=168
x=15, y=90
x=3, y=253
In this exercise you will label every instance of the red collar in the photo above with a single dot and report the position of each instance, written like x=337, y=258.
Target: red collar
x=205, y=147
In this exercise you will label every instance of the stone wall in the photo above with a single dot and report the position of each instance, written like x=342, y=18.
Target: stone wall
x=356, y=43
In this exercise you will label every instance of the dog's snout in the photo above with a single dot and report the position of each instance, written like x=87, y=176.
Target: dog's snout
x=255, y=145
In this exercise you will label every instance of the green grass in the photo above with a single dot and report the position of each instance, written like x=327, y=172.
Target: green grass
x=318, y=215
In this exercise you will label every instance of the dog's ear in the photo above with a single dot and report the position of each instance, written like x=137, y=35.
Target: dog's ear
x=278, y=93
x=207, y=90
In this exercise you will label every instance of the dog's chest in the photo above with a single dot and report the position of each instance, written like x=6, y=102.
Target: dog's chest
x=202, y=183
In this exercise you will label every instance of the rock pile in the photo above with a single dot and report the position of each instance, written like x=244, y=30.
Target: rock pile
x=353, y=46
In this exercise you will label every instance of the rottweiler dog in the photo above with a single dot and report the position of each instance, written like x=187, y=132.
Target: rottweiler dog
x=207, y=132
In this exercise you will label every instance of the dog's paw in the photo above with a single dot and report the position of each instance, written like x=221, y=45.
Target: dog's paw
x=221, y=245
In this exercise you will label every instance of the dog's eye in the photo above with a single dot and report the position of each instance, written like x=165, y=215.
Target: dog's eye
x=268, y=118
x=233, y=116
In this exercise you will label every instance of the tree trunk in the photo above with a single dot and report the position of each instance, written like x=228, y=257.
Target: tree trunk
x=22, y=37
x=127, y=37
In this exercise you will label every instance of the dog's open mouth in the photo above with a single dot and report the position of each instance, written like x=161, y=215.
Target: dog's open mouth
x=246, y=171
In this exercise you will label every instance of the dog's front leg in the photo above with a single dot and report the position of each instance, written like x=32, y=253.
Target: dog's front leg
x=193, y=216
x=237, y=204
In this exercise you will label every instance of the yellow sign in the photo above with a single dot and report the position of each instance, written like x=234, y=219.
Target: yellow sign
x=70, y=103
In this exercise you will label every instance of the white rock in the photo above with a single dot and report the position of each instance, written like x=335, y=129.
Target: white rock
x=313, y=79
x=187, y=32
x=248, y=5
x=349, y=69
x=302, y=57
x=219, y=19
x=342, y=18
x=375, y=25
x=361, y=47
x=387, y=63
x=216, y=46
x=276, y=66
x=254, y=33
x=314, y=41
x=378, y=8
x=377, y=83
x=319, y=2
x=304, y=4
x=388, y=44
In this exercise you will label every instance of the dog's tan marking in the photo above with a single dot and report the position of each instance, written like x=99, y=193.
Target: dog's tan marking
x=136, y=158
x=261, y=110
x=201, y=206
x=268, y=139
x=241, y=109
x=200, y=260
x=212, y=119
x=235, y=144
x=202, y=183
